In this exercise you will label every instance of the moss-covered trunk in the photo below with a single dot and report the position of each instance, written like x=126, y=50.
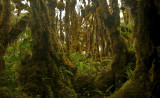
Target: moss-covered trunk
x=74, y=27
x=7, y=33
x=51, y=6
x=4, y=29
x=118, y=47
x=41, y=70
x=67, y=25
x=145, y=79
x=2, y=51
x=61, y=28
x=119, y=50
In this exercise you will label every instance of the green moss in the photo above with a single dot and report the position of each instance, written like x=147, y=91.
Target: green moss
x=41, y=70
x=104, y=80
x=133, y=88
x=6, y=92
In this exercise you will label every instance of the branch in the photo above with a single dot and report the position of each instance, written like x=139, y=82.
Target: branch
x=103, y=12
x=18, y=28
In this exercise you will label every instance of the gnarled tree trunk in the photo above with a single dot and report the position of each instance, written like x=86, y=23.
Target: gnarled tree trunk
x=41, y=70
x=119, y=49
x=145, y=79
x=4, y=29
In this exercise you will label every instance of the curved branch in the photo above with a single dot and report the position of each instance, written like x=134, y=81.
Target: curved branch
x=18, y=28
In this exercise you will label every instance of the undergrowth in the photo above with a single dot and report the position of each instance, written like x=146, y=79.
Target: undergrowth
x=85, y=65
x=86, y=70
x=14, y=54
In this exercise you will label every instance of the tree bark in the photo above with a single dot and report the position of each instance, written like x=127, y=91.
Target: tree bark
x=4, y=29
x=61, y=28
x=67, y=26
x=145, y=79
x=119, y=50
x=41, y=70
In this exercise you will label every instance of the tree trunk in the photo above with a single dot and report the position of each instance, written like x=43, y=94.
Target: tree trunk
x=2, y=52
x=74, y=28
x=40, y=70
x=7, y=33
x=145, y=79
x=67, y=25
x=4, y=29
x=61, y=28
x=119, y=51
x=91, y=48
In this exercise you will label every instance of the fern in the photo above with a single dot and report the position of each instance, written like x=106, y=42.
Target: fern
x=65, y=70
x=129, y=73
x=85, y=65
x=108, y=90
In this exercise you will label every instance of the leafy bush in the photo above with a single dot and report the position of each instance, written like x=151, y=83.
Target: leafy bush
x=15, y=52
x=85, y=65
x=87, y=70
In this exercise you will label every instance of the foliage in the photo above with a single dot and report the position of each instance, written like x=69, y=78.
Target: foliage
x=65, y=70
x=87, y=70
x=129, y=72
x=13, y=56
x=85, y=64
x=126, y=33
x=24, y=44
x=85, y=33
x=126, y=29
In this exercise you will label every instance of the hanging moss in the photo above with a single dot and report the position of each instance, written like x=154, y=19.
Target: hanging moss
x=60, y=5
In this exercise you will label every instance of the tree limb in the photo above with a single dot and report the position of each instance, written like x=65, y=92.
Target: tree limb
x=18, y=28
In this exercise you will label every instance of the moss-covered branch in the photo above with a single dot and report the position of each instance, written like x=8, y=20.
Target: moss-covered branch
x=18, y=28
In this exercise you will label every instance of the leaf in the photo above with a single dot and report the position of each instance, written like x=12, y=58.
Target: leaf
x=20, y=46
x=129, y=25
x=98, y=91
x=108, y=90
x=63, y=69
x=129, y=72
x=28, y=32
x=10, y=49
x=33, y=42
x=69, y=72
x=26, y=40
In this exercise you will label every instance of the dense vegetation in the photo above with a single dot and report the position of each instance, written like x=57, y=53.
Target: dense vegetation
x=79, y=49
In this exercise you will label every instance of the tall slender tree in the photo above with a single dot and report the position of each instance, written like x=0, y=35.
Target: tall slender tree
x=74, y=27
x=61, y=7
x=67, y=25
